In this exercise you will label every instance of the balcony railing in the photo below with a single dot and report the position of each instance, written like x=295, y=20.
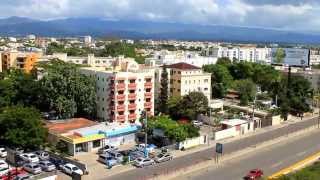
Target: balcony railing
x=121, y=97
x=148, y=85
x=132, y=106
x=121, y=107
x=121, y=118
x=148, y=94
x=132, y=116
x=132, y=96
x=132, y=86
x=121, y=86
x=148, y=104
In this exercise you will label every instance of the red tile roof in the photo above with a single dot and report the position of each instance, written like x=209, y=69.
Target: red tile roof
x=182, y=66
x=64, y=126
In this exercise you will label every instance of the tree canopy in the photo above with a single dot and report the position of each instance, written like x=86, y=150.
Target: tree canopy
x=21, y=127
x=66, y=91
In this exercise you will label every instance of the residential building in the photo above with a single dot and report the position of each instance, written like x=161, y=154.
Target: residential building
x=123, y=94
x=90, y=60
x=185, y=78
x=19, y=60
x=314, y=56
x=87, y=40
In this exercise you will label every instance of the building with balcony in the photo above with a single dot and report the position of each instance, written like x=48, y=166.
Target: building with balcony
x=122, y=96
x=183, y=79
x=18, y=60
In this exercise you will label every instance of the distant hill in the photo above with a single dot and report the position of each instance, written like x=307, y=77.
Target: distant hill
x=17, y=26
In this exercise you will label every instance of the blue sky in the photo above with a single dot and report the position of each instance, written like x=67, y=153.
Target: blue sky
x=298, y=15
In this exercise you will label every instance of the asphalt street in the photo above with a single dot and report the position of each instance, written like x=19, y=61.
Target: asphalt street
x=191, y=159
x=270, y=160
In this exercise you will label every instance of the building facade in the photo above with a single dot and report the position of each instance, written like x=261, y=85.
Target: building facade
x=18, y=60
x=123, y=96
x=185, y=78
x=314, y=56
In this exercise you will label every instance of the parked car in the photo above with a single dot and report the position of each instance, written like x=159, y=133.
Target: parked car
x=23, y=176
x=108, y=160
x=106, y=148
x=13, y=173
x=42, y=155
x=162, y=157
x=3, y=152
x=197, y=123
x=29, y=157
x=4, y=168
x=116, y=155
x=142, y=162
x=57, y=162
x=135, y=155
x=71, y=169
x=150, y=147
x=47, y=166
x=19, y=150
x=32, y=168
x=254, y=174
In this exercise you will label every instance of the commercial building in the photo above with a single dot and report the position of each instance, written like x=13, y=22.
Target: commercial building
x=82, y=135
x=122, y=96
x=185, y=78
x=18, y=60
x=314, y=56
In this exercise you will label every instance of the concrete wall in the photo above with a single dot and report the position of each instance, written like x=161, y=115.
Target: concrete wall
x=227, y=133
x=189, y=143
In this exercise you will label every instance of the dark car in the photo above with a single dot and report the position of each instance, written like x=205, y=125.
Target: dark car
x=57, y=162
x=254, y=174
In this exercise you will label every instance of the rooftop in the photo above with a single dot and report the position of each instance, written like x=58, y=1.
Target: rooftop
x=234, y=122
x=63, y=126
x=182, y=66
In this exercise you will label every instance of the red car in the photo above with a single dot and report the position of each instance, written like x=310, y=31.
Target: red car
x=254, y=174
x=13, y=173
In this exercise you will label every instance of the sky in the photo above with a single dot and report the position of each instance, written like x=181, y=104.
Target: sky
x=296, y=15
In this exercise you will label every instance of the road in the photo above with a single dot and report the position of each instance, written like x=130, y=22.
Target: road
x=191, y=159
x=269, y=160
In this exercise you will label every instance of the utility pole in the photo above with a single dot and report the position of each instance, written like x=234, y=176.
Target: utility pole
x=253, y=108
x=146, y=134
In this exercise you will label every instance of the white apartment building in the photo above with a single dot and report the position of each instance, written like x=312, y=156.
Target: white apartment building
x=247, y=53
x=314, y=56
x=168, y=57
x=123, y=96
x=183, y=79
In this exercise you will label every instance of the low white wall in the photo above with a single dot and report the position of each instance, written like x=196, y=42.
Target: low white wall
x=227, y=133
x=189, y=143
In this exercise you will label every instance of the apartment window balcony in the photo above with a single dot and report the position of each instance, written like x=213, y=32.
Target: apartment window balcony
x=119, y=118
x=132, y=96
x=121, y=107
x=132, y=86
x=121, y=86
x=148, y=104
x=148, y=95
x=121, y=97
x=132, y=116
x=132, y=107
x=148, y=85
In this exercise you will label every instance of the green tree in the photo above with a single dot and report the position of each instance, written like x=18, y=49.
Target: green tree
x=246, y=89
x=21, y=127
x=163, y=97
x=193, y=104
x=174, y=107
x=66, y=91
x=221, y=79
x=224, y=61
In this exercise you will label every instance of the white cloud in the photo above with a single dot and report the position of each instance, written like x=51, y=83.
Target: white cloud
x=281, y=14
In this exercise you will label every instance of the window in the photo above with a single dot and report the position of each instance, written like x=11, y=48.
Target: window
x=206, y=89
x=96, y=144
x=206, y=80
x=179, y=72
x=102, y=109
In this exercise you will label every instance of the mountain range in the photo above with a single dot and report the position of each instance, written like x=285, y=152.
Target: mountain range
x=20, y=26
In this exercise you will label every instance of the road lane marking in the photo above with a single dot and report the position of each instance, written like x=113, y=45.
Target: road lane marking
x=301, y=153
x=276, y=164
x=295, y=166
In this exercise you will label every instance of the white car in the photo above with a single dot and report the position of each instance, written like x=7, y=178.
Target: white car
x=150, y=147
x=29, y=157
x=32, y=168
x=142, y=162
x=197, y=123
x=4, y=168
x=70, y=169
x=3, y=153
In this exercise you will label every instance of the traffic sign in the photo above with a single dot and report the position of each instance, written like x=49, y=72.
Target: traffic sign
x=219, y=148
